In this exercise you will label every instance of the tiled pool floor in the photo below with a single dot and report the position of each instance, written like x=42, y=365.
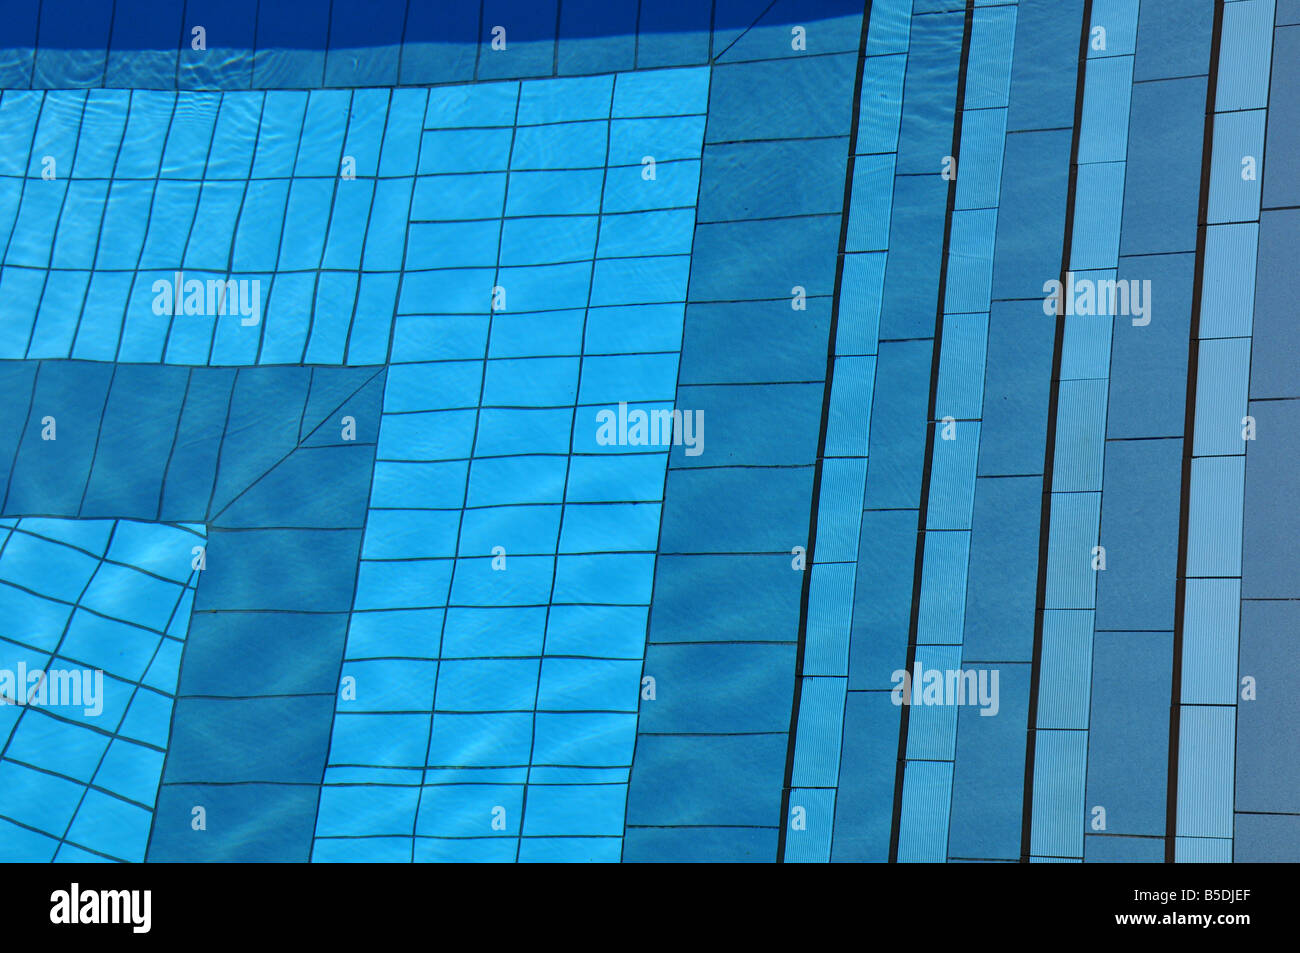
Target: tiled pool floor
x=563, y=431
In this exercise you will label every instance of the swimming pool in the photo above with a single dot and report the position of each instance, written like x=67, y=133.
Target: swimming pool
x=629, y=431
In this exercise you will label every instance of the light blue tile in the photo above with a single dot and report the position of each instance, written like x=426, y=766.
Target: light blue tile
x=1222, y=382
x=861, y=287
x=1066, y=673
x=565, y=99
x=1238, y=137
x=536, y=382
x=626, y=281
x=848, y=426
x=952, y=476
x=873, y=186
x=1060, y=767
x=881, y=103
x=839, y=509
x=472, y=104
x=628, y=377
x=1211, y=625
x=960, y=393
x=453, y=197
x=1080, y=435
x=610, y=527
x=1245, y=55
x=664, y=138
x=1099, y=201
x=1203, y=850
x=1228, y=283
x=520, y=530
x=979, y=175
x=970, y=261
x=1119, y=18
x=923, y=821
x=989, y=73
x=932, y=733
x=1215, y=515
x=463, y=150
x=675, y=185
x=1071, y=579
x=1103, y=133
x=570, y=145
x=821, y=717
x=613, y=579
x=1206, y=759
x=943, y=588
x=830, y=618
x=658, y=92
x=402, y=534
x=668, y=232
x=545, y=240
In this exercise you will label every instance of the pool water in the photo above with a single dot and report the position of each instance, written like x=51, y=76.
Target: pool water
x=637, y=431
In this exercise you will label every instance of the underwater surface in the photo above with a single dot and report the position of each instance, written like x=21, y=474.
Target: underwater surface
x=638, y=430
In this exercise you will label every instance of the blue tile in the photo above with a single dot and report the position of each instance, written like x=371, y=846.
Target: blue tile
x=1244, y=58
x=1265, y=781
x=1222, y=380
x=1060, y=760
x=807, y=86
x=1164, y=174
x=1128, y=738
x=1119, y=19
x=988, y=780
x=718, y=688
x=1139, y=530
x=821, y=714
x=1016, y=387
x=925, y=129
x=1031, y=216
x=864, y=803
x=1066, y=669
x=1042, y=86
x=896, y=453
x=1264, y=838
x=800, y=177
x=983, y=137
x=1228, y=283
x=720, y=598
x=882, y=598
x=1148, y=368
x=700, y=845
x=923, y=822
x=1099, y=193
x=1073, y=534
x=1283, y=113
x=733, y=780
x=1205, y=770
x=1003, y=575
x=1103, y=131
x=988, y=81
x=880, y=106
x=1080, y=436
x=1210, y=638
x=1233, y=196
x=1173, y=39
x=915, y=255
x=225, y=740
